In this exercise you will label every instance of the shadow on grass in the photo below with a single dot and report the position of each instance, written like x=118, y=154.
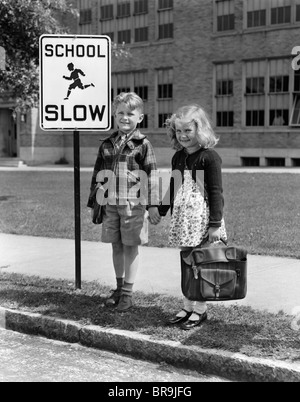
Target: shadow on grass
x=232, y=328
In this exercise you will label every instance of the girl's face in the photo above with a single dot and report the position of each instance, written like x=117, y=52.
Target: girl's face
x=127, y=119
x=186, y=134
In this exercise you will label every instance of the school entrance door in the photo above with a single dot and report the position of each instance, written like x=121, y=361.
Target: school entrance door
x=8, y=134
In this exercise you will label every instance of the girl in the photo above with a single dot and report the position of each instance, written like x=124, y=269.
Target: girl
x=197, y=211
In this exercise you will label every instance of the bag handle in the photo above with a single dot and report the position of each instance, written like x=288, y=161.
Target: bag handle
x=206, y=240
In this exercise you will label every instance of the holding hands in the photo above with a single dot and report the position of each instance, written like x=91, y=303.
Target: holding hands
x=154, y=216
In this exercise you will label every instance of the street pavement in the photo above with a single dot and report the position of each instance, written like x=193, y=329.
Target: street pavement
x=58, y=361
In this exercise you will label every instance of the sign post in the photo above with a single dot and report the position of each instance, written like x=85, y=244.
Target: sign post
x=2, y=58
x=75, y=96
x=76, y=149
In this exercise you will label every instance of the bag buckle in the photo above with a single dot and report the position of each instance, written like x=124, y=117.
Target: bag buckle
x=195, y=271
x=217, y=290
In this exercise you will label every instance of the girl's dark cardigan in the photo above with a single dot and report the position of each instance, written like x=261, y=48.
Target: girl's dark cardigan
x=206, y=160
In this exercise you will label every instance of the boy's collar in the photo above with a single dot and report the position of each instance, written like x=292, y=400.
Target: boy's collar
x=135, y=135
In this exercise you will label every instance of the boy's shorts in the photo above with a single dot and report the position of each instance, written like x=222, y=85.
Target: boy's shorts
x=127, y=223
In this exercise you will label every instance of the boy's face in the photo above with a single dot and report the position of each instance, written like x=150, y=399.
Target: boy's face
x=127, y=119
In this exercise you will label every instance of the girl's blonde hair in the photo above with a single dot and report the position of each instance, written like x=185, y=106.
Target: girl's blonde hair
x=196, y=114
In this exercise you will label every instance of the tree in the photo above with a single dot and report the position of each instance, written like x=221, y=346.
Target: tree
x=22, y=22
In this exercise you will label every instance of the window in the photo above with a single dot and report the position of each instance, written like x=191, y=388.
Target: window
x=124, y=36
x=250, y=161
x=142, y=92
x=224, y=87
x=279, y=84
x=280, y=15
x=295, y=119
x=275, y=162
x=165, y=20
x=141, y=34
x=255, y=93
x=165, y=4
x=262, y=13
x=267, y=92
x=295, y=161
x=298, y=12
x=164, y=95
x=165, y=91
x=123, y=9
x=224, y=95
x=85, y=16
x=279, y=92
x=140, y=22
x=165, y=31
x=225, y=15
x=107, y=12
x=141, y=84
x=140, y=7
x=256, y=18
x=255, y=85
x=295, y=115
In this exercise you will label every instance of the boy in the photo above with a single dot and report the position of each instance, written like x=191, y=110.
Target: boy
x=124, y=154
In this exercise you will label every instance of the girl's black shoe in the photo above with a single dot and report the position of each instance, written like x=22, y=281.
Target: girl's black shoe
x=192, y=324
x=178, y=320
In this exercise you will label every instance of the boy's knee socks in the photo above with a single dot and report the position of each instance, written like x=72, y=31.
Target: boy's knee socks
x=127, y=288
x=120, y=283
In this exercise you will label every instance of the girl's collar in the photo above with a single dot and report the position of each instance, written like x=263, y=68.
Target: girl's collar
x=194, y=152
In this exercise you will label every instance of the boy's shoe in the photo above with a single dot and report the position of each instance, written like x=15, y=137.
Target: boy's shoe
x=113, y=299
x=125, y=303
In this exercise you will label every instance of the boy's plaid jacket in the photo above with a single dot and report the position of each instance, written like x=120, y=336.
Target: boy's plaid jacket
x=131, y=170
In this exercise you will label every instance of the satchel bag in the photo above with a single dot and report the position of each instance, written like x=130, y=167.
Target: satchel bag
x=214, y=272
x=98, y=209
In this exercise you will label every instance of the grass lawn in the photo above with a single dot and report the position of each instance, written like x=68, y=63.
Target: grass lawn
x=261, y=210
x=235, y=328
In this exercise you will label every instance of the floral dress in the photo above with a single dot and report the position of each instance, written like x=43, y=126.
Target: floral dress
x=190, y=217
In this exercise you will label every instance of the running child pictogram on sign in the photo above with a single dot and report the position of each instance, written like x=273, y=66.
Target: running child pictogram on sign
x=75, y=82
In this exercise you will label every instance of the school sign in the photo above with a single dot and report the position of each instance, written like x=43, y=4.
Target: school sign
x=75, y=82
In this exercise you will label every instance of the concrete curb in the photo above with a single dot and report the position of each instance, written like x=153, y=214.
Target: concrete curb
x=233, y=366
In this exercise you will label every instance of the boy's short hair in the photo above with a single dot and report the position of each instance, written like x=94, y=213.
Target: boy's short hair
x=131, y=99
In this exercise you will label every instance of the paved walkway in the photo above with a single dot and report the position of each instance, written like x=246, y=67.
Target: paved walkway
x=273, y=282
x=69, y=168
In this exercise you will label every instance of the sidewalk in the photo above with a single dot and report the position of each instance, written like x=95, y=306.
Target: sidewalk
x=270, y=281
x=70, y=168
x=269, y=278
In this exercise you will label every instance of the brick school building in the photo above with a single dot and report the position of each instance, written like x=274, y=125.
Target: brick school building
x=238, y=59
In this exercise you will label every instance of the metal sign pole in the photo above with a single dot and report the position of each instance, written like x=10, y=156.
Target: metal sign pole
x=2, y=58
x=77, y=209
